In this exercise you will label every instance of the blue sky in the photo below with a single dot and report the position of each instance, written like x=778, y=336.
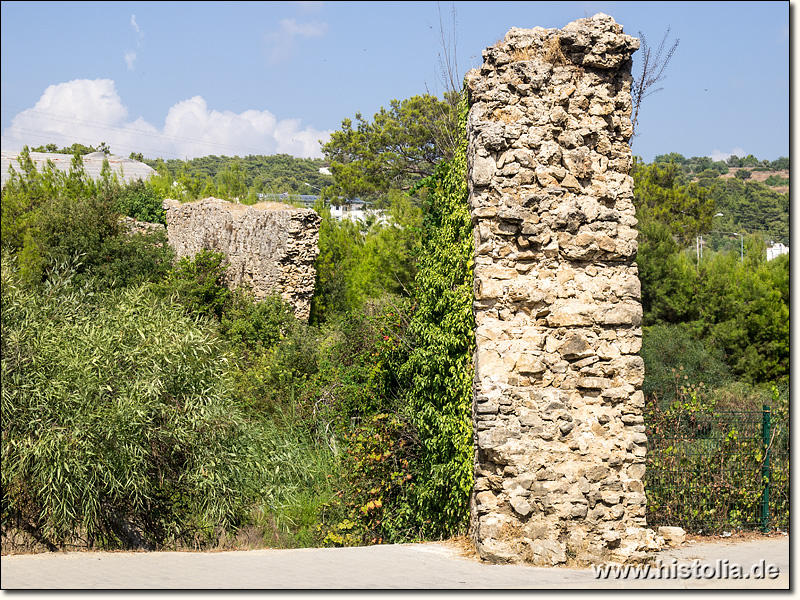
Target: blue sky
x=187, y=79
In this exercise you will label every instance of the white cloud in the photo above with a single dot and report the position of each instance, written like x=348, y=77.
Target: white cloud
x=130, y=55
x=130, y=59
x=284, y=42
x=718, y=155
x=91, y=111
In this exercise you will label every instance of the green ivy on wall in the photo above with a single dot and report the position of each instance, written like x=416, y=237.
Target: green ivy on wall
x=440, y=368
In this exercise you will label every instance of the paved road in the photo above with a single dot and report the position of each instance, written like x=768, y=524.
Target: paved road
x=406, y=566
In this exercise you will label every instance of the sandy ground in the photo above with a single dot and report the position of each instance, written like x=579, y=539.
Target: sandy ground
x=404, y=567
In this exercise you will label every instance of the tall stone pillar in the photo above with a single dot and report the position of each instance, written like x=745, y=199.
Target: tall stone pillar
x=559, y=435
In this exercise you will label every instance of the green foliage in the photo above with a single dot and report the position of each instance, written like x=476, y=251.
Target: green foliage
x=780, y=164
x=73, y=227
x=51, y=218
x=279, y=359
x=256, y=326
x=25, y=193
x=76, y=148
x=131, y=259
x=750, y=161
x=400, y=147
x=670, y=352
x=230, y=177
x=440, y=366
x=363, y=260
x=687, y=209
x=696, y=165
x=116, y=424
x=706, y=463
x=745, y=312
x=737, y=307
x=141, y=202
x=198, y=283
x=751, y=207
x=776, y=181
x=375, y=485
x=668, y=277
x=340, y=244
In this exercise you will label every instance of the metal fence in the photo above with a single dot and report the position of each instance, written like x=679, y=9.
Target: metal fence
x=726, y=470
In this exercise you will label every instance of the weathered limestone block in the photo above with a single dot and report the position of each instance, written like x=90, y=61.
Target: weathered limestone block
x=560, y=442
x=271, y=247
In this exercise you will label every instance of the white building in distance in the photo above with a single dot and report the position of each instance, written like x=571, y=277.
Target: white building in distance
x=776, y=250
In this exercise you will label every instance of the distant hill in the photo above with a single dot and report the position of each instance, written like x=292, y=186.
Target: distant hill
x=770, y=178
x=273, y=174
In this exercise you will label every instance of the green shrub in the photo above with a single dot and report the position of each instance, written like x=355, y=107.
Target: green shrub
x=373, y=501
x=776, y=180
x=50, y=218
x=141, y=202
x=198, y=283
x=254, y=325
x=706, y=458
x=675, y=358
x=117, y=424
x=133, y=259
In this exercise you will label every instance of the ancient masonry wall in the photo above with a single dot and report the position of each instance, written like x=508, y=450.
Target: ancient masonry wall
x=271, y=247
x=560, y=441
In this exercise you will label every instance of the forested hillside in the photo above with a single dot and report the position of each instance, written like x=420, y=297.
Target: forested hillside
x=224, y=176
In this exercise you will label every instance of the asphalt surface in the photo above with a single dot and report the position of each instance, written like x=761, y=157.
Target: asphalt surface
x=405, y=567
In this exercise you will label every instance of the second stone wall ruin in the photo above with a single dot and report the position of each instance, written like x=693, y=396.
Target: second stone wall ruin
x=560, y=439
x=271, y=247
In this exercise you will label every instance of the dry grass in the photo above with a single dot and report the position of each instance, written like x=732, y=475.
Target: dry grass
x=462, y=546
x=550, y=52
x=553, y=53
x=521, y=54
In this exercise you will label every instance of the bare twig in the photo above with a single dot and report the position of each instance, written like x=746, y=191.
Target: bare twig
x=652, y=72
x=445, y=127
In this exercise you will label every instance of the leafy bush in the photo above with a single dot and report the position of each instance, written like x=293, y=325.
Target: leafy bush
x=142, y=202
x=51, y=218
x=132, y=259
x=360, y=261
x=117, y=424
x=775, y=181
x=198, y=283
x=706, y=460
x=373, y=499
x=277, y=380
x=255, y=326
x=674, y=358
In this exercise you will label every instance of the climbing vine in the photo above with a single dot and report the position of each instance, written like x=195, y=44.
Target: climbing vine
x=440, y=367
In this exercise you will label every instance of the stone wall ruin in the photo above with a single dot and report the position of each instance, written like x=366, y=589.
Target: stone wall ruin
x=559, y=434
x=271, y=247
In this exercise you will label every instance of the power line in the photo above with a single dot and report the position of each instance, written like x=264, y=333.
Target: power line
x=49, y=138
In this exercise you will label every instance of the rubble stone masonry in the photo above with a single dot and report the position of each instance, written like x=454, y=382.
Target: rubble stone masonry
x=559, y=435
x=271, y=247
